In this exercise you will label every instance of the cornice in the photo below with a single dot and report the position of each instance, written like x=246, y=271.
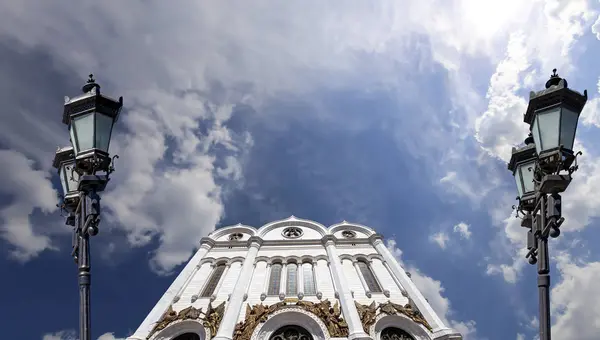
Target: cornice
x=207, y=241
x=375, y=238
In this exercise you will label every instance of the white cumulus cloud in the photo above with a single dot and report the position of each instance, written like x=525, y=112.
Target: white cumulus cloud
x=433, y=291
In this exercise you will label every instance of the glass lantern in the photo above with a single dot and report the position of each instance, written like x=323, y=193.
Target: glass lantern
x=90, y=118
x=64, y=162
x=522, y=164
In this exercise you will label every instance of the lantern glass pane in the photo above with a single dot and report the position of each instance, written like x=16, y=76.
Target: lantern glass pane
x=548, y=123
x=526, y=170
x=73, y=139
x=535, y=131
x=72, y=178
x=84, y=132
x=104, y=126
x=63, y=180
x=568, y=127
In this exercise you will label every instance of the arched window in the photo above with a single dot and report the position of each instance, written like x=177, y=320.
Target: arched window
x=393, y=333
x=187, y=336
x=291, y=333
x=308, y=276
x=213, y=281
x=274, y=279
x=369, y=277
x=292, y=279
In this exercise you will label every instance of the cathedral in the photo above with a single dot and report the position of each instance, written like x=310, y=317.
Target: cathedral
x=293, y=279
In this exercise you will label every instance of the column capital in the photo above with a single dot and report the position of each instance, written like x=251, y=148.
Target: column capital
x=255, y=241
x=376, y=239
x=328, y=239
x=207, y=242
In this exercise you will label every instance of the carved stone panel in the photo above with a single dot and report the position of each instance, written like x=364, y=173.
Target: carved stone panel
x=329, y=315
x=391, y=308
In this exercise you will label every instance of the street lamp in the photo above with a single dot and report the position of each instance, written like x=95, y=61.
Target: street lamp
x=542, y=170
x=84, y=169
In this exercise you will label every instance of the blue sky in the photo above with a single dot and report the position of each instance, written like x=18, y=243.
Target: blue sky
x=397, y=114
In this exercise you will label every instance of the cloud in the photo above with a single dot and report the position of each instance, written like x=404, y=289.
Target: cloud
x=433, y=291
x=575, y=299
x=440, y=238
x=72, y=335
x=463, y=230
x=596, y=28
x=109, y=336
x=27, y=189
x=61, y=335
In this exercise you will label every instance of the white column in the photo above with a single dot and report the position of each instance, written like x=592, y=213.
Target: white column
x=436, y=323
x=221, y=279
x=265, y=287
x=300, y=279
x=177, y=286
x=362, y=279
x=233, y=308
x=389, y=269
x=283, y=281
x=351, y=316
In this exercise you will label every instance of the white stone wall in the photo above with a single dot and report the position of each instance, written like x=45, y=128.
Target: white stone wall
x=251, y=268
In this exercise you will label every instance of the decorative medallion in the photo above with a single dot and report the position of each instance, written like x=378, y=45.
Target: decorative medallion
x=236, y=236
x=330, y=316
x=292, y=232
x=348, y=234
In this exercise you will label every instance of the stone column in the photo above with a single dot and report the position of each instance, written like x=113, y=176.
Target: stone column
x=234, y=306
x=300, y=279
x=440, y=331
x=351, y=316
x=362, y=279
x=172, y=292
x=283, y=281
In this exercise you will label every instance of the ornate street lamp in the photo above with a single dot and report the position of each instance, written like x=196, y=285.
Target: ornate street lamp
x=84, y=170
x=64, y=161
x=553, y=114
x=522, y=164
x=90, y=118
x=542, y=170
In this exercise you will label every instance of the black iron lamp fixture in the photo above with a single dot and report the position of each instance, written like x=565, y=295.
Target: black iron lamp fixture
x=64, y=161
x=553, y=114
x=90, y=118
x=84, y=169
x=542, y=169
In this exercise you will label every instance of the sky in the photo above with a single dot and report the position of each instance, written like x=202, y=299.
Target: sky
x=399, y=115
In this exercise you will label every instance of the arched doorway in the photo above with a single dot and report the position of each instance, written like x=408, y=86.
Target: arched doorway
x=291, y=333
x=187, y=336
x=393, y=333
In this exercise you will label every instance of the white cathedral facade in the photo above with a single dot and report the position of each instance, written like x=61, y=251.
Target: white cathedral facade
x=293, y=279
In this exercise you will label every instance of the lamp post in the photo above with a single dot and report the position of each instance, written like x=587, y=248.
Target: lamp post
x=84, y=169
x=542, y=169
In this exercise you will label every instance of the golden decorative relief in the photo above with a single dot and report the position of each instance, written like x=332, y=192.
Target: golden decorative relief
x=391, y=308
x=331, y=317
x=367, y=315
x=170, y=315
x=213, y=317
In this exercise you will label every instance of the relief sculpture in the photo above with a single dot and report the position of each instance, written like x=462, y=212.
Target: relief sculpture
x=415, y=315
x=367, y=315
x=213, y=318
x=170, y=315
x=331, y=317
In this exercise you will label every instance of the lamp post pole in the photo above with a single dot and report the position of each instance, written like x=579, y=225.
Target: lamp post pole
x=84, y=169
x=542, y=170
